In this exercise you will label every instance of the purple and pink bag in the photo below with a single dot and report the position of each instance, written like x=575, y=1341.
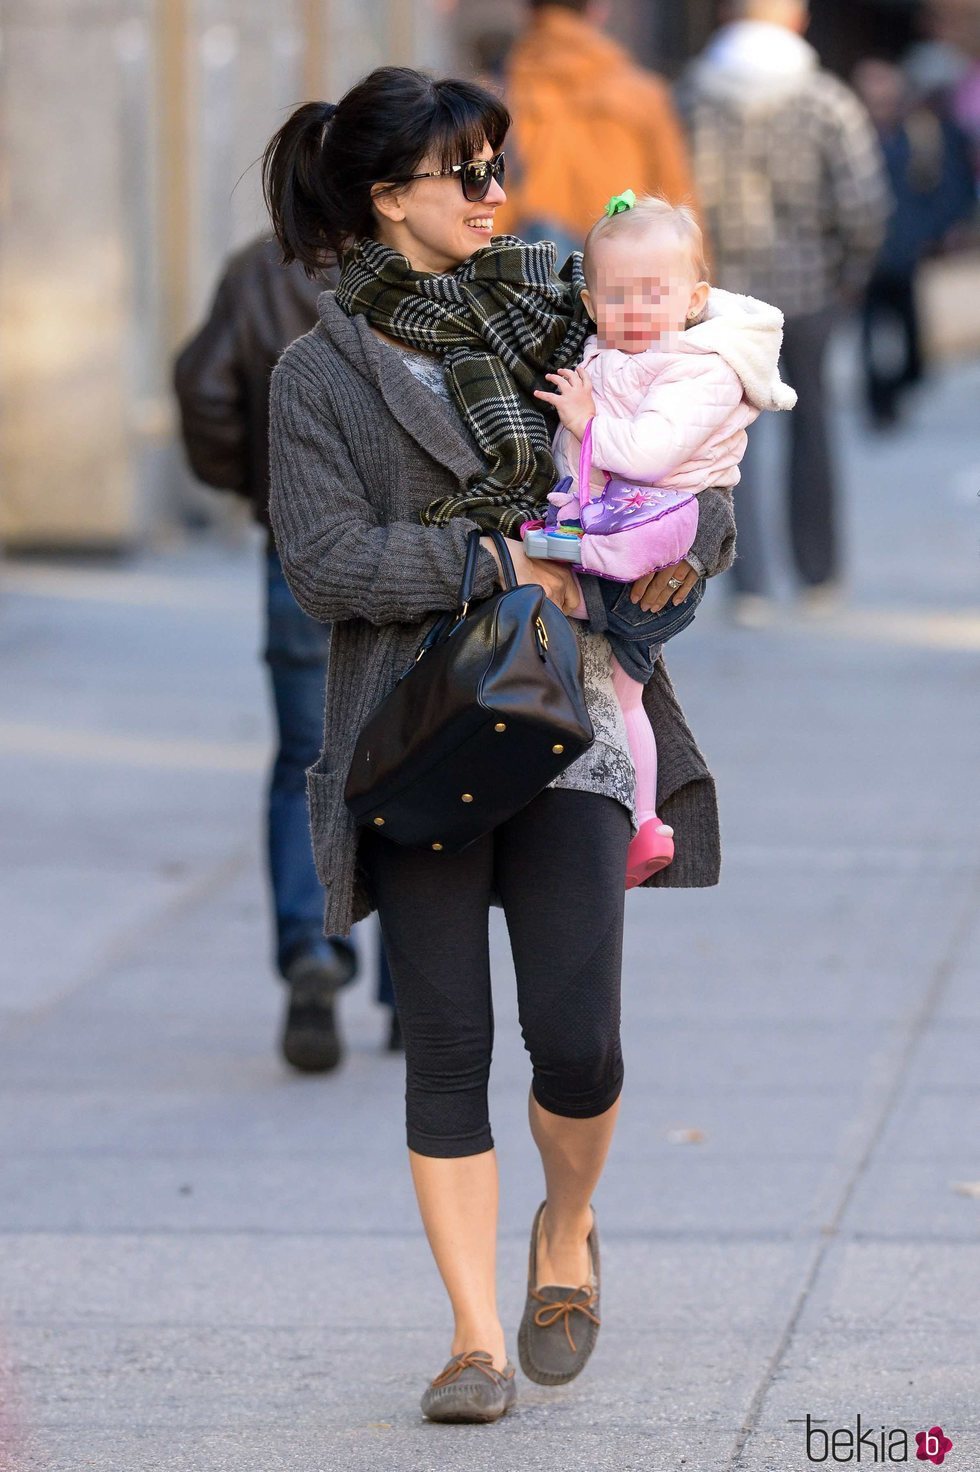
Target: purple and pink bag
x=629, y=529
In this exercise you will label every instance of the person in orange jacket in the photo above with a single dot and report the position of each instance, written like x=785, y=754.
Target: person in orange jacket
x=587, y=122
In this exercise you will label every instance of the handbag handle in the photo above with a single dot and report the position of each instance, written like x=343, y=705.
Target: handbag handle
x=469, y=566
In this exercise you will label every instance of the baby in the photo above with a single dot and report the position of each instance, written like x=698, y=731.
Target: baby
x=675, y=373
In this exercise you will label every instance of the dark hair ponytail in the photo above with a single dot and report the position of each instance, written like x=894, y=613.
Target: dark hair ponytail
x=318, y=169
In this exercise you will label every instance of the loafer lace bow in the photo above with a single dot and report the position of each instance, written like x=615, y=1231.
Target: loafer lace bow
x=552, y=1310
x=477, y=1359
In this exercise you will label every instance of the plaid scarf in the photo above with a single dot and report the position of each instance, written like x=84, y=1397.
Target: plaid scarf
x=499, y=322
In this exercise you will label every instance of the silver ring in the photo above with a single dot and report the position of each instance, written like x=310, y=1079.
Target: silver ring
x=673, y=582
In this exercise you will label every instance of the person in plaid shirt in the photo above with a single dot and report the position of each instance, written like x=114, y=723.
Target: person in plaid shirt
x=794, y=198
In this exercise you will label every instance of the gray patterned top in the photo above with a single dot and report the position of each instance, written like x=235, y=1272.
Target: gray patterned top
x=607, y=767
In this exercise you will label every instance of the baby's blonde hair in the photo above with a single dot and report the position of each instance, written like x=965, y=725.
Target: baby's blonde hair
x=650, y=209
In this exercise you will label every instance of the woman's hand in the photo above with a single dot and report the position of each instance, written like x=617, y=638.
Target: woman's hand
x=555, y=578
x=651, y=591
x=574, y=400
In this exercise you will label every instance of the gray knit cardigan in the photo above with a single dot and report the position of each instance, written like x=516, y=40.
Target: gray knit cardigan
x=358, y=447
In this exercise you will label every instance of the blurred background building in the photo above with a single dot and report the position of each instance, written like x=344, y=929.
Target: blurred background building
x=128, y=134
x=128, y=131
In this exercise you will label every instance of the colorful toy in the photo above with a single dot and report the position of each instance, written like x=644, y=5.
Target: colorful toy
x=622, y=533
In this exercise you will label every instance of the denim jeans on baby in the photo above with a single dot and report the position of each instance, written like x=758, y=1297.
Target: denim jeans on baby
x=636, y=636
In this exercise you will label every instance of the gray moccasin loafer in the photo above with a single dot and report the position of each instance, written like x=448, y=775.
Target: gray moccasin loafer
x=470, y=1389
x=552, y=1348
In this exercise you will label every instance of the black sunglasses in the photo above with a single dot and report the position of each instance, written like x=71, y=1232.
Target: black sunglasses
x=475, y=176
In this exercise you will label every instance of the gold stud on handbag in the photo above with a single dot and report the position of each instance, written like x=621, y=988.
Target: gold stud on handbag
x=510, y=662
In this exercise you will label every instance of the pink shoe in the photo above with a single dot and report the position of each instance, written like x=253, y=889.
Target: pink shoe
x=650, y=850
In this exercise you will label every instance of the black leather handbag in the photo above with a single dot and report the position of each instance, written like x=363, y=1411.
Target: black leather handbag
x=491, y=710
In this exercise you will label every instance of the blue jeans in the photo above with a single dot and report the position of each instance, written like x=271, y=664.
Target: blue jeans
x=636, y=637
x=296, y=649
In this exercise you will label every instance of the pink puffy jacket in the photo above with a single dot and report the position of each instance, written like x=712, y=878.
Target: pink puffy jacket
x=677, y=418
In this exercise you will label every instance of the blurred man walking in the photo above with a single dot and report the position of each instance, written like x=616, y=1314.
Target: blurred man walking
x=588, y=123
x=928, y=162
x=792, y=186
x=222, y=382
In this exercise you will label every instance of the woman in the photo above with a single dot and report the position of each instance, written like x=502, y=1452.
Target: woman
x=384, y=458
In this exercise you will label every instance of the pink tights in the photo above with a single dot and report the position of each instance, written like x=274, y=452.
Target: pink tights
x=642, y=742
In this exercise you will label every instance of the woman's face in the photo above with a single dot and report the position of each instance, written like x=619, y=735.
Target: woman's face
x=431, y=223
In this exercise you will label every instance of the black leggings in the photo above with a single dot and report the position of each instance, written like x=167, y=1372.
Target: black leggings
x=559, y=869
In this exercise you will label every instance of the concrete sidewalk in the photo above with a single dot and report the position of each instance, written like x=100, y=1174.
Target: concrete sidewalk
x=207, y=1263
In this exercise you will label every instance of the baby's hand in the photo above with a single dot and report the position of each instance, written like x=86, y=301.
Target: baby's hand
x=574, y=400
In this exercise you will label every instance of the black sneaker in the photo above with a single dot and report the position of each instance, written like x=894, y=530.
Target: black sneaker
x=311, y=1042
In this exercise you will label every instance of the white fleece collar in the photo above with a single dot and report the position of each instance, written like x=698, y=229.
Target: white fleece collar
x=748, y=334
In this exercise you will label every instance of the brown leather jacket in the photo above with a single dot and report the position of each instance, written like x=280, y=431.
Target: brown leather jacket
x=222, y=375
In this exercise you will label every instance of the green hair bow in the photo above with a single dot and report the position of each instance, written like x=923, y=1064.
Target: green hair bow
x=621, y=202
